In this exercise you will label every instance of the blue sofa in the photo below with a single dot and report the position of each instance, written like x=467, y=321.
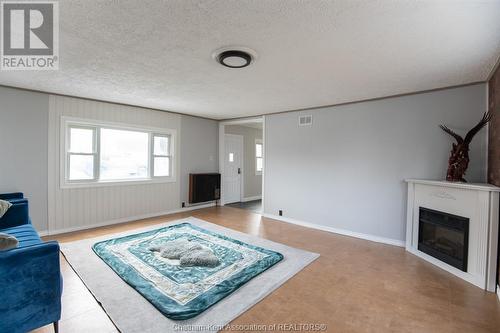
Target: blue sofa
x=30, y=276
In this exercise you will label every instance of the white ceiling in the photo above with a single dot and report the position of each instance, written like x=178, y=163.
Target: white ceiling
x=311, y=53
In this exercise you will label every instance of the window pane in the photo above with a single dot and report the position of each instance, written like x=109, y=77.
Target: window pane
x=124, y=154
x=259, y=163
x=81, y=167
x=258, y=150
x=161, y=145
x=81, y=140
x=162, y=166
x=231, y=157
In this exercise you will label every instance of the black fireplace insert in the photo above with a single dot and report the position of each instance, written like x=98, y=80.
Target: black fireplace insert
x=444, y=236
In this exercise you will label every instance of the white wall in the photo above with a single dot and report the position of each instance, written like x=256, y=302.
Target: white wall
x=347, y=170
x=23, y=148
x=199, y=141
x=252, y=183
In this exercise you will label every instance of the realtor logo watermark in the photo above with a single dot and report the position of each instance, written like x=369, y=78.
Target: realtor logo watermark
x=29, y=35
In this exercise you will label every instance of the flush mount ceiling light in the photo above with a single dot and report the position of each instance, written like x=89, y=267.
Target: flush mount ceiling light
x=235, y=57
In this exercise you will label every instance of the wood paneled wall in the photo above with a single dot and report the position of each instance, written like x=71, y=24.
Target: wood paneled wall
x=80, y=208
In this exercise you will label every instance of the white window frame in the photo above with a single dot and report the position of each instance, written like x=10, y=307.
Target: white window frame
x=95, y=151
x=152, y=154
x=259, y=141
x=69, y=122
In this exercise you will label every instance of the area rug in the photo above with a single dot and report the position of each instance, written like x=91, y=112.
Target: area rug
x=182, y=292
x=130, y=309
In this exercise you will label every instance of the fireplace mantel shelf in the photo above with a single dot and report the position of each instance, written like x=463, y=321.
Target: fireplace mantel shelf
x=469, y=186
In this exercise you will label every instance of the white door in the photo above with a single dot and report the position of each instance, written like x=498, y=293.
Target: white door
x=233, y=161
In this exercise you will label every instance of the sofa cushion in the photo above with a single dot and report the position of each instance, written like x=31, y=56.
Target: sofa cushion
x=25, y=234
x=4, y=207
x=7, y=242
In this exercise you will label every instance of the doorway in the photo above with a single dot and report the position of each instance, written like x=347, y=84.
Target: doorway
x=242, y=163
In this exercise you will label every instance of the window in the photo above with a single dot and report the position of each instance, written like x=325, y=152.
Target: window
x=124, y=154
x=103, y=154
x=259, y=157
x=82, y=153
x=161, y=156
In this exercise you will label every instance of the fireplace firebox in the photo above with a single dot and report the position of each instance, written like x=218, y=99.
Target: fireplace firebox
x=444, y=236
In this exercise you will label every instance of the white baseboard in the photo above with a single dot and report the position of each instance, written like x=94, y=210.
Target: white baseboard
x=123, y=220
x=498, y=291
x=344, y=232
x=257, y=197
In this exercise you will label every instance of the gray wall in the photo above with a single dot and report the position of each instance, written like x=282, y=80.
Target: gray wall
x=252, y=183
x=199, y=141
x=23, y=148
x=347, y=170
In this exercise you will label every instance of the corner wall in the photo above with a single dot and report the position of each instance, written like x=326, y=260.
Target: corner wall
x=346, y=172
x=23, y=148
x=199, y=143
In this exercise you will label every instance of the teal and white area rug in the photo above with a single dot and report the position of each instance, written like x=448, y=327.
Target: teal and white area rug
x=145, y=287
x=182, y=292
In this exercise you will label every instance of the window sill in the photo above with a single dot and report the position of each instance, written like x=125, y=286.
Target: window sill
x=105, y=183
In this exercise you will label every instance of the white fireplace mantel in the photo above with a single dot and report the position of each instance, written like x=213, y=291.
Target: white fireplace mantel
x=479, y=203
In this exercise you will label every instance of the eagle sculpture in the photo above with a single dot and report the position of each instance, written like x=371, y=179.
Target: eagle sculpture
x=459, y=157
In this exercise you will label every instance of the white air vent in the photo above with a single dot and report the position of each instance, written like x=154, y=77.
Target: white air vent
x=305, y=120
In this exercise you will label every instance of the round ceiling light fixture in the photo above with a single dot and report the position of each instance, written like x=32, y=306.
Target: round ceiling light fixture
x=235, y=57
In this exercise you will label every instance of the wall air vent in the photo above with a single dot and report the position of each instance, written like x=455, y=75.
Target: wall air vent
x=305, y=120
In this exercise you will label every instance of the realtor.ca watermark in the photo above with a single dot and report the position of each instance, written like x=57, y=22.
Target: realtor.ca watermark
x=29, y=35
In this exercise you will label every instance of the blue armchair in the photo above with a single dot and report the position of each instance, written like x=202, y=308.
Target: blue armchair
x=30, y=276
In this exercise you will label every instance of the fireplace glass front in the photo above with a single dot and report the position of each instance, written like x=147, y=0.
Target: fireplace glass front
x=444, y=236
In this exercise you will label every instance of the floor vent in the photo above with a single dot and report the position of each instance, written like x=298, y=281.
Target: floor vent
x=305, y=120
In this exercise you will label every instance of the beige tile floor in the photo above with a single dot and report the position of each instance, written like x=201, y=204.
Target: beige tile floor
x=355, y=286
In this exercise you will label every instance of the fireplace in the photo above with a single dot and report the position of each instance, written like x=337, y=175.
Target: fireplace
x=464, y=245
x=444, y=236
